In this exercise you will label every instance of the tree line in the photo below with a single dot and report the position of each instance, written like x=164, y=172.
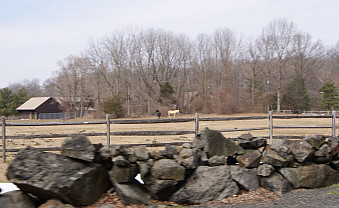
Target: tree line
x=135, y=72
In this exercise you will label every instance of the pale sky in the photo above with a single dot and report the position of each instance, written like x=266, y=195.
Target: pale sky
x=36, y=34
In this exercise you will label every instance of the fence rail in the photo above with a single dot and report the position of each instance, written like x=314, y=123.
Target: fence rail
x=108, y=132
x=304, y=112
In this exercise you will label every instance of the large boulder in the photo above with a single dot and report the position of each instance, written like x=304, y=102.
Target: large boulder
x=276, y=183
x=206, y=184
x=78, y=147
x=301, y=149
x=16, y=199
x=214, y=143
x=311, y=176
x=247, y=179
x=48, y=175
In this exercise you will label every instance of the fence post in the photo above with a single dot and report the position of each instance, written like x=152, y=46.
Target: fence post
x=270, y=118
x=196, y=124
x=3, y=119
x=334, y=126
x=108, y=131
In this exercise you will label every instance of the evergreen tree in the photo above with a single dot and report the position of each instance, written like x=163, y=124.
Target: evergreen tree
x=10, y=101
x=330, y=99
x=113, y=105
x=296, y=95
x=166, y=94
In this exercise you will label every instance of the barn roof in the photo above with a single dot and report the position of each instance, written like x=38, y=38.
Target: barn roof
x=33, y=103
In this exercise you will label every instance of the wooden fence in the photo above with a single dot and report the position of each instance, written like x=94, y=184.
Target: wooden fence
x=109, y=133
x=304, y=112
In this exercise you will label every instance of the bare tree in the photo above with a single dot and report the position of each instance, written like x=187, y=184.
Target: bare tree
x=252, y=69
x=277, y=46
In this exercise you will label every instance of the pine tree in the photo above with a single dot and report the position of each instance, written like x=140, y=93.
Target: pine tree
x=296, y=95
x=330, y=99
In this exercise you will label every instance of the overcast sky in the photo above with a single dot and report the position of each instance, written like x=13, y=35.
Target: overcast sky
x=36, y=34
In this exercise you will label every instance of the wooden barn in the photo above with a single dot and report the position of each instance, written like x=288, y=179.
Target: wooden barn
x=36, y=105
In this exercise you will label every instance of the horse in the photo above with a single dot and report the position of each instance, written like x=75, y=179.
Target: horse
x=172, y=113
x=158, y=113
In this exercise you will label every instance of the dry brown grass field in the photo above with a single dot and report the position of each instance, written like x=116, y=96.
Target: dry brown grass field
x=189, y=126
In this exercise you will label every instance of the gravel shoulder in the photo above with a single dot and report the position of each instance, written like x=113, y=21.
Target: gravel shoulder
x=327, y=197
x=321, y=197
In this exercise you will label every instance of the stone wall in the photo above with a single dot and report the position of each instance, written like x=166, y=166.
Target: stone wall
x=212, y=167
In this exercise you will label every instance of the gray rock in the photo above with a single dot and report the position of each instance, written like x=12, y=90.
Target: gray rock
x=251, y=159
x=311, y=176
x=246, y=137
x=167, y=169
x=265, y=170
x=16, y=199
x=132, y=193
x=255, y=143
x=187, y=145
x=334, y=145
x=144, y=168
x=217, y=160
x=334, y=164
x=203, y=159
x=104, y=158
x=214, y=143
x=281, y=147
x=189, y=158
x=141, y=152
x=117, y=150
x=78, y=147
x=301, y=149
x=189, y=163
x=206, y=184
x=54, y=203
x=171, y=150
x=120, y=161
x=130, y=156
x=48, y=175
x=247, y=179
x=276, y=183
x=323, y=155
x=157, y=155
x=160, y=189
x=316, y=140
x=105, y=154
x=273, y=158
x=186, y=153
x=123, y=174
x=333, y=139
